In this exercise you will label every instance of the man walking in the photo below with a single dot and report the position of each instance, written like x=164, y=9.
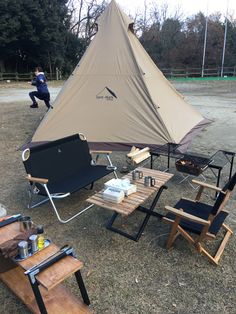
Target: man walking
x=42, y=92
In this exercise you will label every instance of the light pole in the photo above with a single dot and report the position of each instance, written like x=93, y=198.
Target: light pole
x=204, y=46
x=224, y=44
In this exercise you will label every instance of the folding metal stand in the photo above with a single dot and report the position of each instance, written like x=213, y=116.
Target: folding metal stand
x=149, y=212
x=219, y=164
x=35, y=270
x=170, y=150
x=199, y=163
x=218, y=160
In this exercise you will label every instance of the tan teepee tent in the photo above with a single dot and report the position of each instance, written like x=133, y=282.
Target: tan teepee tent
x=117, y=96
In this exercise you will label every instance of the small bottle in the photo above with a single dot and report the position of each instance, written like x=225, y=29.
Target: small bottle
x=40, y=232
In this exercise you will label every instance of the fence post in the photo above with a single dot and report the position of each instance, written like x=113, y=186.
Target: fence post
x=17, y=77
x=57, y=73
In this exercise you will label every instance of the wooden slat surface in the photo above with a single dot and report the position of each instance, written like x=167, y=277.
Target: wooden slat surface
x=39, y=256
x=10, y=231
x=57, y=301
x=130, y=203
x=52, y=275
x=56, y=273
x=57, y=298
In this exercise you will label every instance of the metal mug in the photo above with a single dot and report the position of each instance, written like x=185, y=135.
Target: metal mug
x=137, y=174
x=34, y=243
x=153, y=181
x=149, y=181
x=25, y=223
x=23, y=249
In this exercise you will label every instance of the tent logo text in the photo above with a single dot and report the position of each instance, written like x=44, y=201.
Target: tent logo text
x=106, y=94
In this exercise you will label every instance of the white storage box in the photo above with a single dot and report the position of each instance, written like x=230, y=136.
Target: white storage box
x=113, y=195
x=123, y=185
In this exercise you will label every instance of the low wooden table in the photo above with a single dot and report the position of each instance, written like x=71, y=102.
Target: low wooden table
x=52, y=297
x=134, y=201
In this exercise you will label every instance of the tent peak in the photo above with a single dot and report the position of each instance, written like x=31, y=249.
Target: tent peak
x=113, y=11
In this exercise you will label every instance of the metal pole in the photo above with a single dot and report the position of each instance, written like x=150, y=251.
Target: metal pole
x=224, y=44
x=57, y=73
x=205, y=40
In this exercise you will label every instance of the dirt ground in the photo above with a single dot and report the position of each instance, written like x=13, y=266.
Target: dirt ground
x=122, y=276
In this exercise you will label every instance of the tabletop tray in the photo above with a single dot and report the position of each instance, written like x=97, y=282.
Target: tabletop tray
x=189, y=168
x=19, y=259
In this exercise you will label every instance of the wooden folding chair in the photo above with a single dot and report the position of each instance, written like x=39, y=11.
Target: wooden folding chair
x=203, y=220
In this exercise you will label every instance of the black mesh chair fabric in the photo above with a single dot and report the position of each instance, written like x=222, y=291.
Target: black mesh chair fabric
x=66, y=163
x=232, y=183
x=228, y=186
x=218, y=202
x=200, y=210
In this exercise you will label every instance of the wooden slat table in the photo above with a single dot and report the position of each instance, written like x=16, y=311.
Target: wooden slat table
x=57, y=299
x=135, y=200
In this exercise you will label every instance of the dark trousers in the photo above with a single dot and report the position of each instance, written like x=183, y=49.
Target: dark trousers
x=42, y=96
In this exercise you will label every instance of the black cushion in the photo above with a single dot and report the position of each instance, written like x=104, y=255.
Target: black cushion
x=200, y=210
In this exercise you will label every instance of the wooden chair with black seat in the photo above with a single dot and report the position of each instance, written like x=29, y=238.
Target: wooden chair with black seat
x=205, y=221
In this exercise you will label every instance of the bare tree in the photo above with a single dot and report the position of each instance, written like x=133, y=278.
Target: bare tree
x=85, y=17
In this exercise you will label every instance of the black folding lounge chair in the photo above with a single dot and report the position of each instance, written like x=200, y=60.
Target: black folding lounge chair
x=59, y=168
x=203, y=220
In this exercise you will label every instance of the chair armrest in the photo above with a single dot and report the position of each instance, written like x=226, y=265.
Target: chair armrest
x=38, y=180
x=187, y=216
x=100, y=152
x=206, y=185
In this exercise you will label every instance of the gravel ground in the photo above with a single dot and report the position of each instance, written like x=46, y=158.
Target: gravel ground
x=122, y=276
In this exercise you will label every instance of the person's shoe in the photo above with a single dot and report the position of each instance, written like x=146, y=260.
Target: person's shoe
x=34, y=105
x=51, y=107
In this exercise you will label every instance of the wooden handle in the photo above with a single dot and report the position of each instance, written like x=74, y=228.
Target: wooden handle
x=187, y=216
x=100, y=152
x=38, y=180
x=206, y=185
